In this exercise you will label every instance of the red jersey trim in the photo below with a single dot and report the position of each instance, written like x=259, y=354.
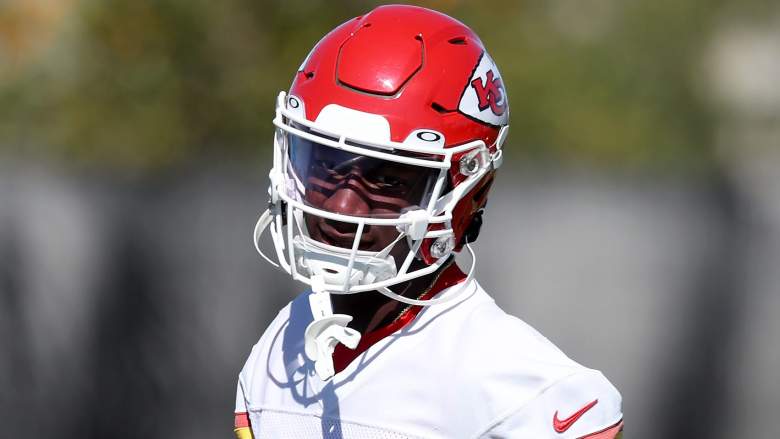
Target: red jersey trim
x=612, y=432
x=241, y=420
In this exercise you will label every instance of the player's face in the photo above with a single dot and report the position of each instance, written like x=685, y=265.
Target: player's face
x=345, y=183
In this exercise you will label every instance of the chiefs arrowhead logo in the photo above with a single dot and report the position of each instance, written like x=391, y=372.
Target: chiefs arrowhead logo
x=484, y=97
x=490, y=94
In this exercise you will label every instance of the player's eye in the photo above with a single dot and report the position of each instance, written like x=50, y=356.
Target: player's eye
x=388, y=181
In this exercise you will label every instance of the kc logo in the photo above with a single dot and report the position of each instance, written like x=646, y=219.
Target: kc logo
x=484, y=97
x=490, y=94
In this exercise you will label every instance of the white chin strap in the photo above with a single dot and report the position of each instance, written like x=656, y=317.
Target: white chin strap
x=326, y=331
x=329, y=266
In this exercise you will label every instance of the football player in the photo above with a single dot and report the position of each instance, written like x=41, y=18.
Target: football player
x=384, y=152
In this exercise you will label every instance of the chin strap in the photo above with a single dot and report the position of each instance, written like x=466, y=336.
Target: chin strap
x=263, y=222
x=326, y=331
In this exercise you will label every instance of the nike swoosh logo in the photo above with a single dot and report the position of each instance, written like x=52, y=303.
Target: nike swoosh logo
x=562, y=425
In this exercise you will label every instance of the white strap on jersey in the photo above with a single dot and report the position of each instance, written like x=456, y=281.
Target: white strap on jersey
x=326, y=331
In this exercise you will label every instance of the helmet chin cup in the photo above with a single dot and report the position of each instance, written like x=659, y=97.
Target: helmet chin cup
x=332, y=265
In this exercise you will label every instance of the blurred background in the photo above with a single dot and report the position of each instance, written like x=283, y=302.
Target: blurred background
x=636, y=221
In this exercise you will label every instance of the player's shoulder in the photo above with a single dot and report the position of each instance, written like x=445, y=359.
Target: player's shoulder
x=529, y=380
x=582, y=405
x=496, y=339
x=273, y=333
x=585, y=403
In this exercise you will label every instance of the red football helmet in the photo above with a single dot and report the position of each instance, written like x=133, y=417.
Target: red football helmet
x=386, y=146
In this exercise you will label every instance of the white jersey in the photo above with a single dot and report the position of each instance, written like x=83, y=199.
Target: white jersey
x=458, y=370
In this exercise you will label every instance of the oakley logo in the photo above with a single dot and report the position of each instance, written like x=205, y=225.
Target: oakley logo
x=490, y=94
x=428, y=136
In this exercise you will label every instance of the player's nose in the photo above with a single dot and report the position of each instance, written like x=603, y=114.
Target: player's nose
x=347, y=201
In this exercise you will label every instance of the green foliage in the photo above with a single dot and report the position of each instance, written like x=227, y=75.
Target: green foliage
x=142, y=84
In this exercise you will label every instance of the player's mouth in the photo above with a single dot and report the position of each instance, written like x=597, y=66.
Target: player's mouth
x=341, y=234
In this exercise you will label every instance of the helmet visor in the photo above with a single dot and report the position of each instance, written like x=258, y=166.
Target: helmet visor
x=347, y=183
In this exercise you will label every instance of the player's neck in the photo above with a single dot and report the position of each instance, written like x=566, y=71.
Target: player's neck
x=372, y=310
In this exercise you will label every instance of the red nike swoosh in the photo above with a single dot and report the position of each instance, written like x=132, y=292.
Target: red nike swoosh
x=562, y=425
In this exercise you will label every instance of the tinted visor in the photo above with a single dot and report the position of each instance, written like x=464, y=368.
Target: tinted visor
x=343, y=182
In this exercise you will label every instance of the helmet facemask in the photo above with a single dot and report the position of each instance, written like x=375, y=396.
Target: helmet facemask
x=354, y=212
x=337, y=181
